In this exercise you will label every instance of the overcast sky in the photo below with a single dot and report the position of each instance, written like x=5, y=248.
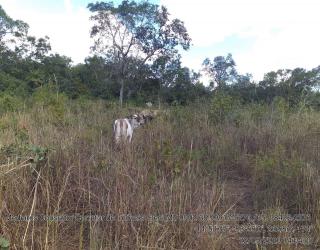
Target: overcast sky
x=262, y=35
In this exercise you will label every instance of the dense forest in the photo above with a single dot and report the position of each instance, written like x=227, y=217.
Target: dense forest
x=154, y=74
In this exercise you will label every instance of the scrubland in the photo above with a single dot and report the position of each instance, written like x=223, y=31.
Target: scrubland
x=211, y=158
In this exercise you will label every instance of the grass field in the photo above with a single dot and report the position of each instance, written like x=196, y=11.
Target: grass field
x=58, y=159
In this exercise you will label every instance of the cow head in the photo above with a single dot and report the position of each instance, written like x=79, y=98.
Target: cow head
x=136, y=120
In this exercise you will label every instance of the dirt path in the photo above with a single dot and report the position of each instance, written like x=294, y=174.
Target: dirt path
x=238, y=194
x=240, y=191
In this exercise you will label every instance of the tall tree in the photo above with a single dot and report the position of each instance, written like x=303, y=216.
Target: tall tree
x=221, y=70
x=134, y=34
x=9, y=26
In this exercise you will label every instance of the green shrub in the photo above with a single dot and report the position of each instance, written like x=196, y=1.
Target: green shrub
x=4, y=243
x=281, y=108
x=48, y=95
x=277, y=180
x=9, y=103
x=221, y=106
x=54, y=102
x=258, y=112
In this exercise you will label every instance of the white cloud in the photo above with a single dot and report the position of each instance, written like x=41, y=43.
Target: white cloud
x=68, y=6
x=68, y=29
x=284, y=32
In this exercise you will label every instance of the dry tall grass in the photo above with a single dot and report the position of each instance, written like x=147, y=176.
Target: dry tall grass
x=60, y=160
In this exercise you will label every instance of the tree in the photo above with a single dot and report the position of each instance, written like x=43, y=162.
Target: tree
x=244, y=81
x=177, y=84
x=293, y=85
x=221, y=70
x=165, y=69
x=96, y=75
x=33, y=48
x=8, y=26
x=243, y=89
x=134, y=34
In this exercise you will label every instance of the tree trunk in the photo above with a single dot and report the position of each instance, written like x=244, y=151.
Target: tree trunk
x=159, y=99
x=159, y=102
x=121, y=92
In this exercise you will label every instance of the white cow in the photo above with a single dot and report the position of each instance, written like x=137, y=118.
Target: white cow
x=123, y=128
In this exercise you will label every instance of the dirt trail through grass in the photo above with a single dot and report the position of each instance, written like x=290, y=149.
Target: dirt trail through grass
x=239, y=189
x=238, y=193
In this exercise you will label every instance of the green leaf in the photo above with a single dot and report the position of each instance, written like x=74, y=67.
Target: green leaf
x=4, y=243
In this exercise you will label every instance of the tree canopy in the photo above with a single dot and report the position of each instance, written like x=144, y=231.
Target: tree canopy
x=133, y=34
x=136, y=58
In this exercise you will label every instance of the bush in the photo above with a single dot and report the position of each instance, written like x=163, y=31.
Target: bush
x=277, y=178
x=9, y=103
x=47, y=96
x=221, y=106
x=56, y=103
x=4, y=243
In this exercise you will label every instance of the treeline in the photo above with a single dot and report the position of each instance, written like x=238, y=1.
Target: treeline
x=117, y=70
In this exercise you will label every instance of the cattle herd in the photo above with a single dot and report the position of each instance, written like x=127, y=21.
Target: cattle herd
x=123, y=128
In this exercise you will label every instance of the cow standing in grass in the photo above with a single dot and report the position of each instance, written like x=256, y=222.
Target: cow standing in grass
x=123, y=128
